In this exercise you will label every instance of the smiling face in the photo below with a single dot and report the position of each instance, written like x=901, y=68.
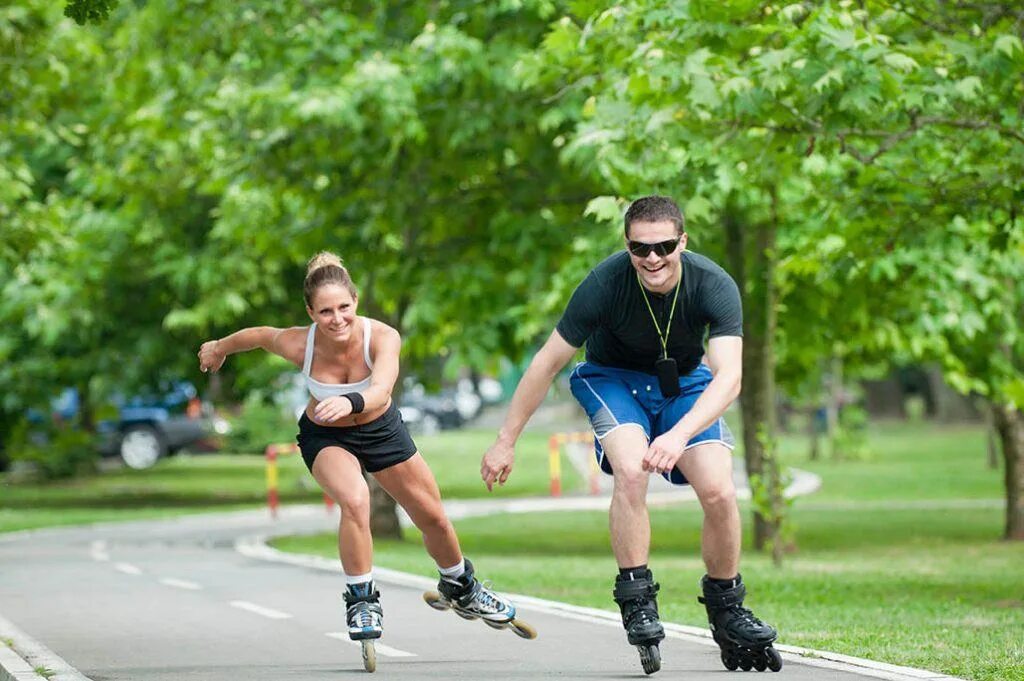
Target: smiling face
x=658, y=273
x=333, y=309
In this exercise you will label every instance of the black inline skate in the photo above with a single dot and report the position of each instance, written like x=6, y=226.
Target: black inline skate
x=746, y=641
x=637, y=596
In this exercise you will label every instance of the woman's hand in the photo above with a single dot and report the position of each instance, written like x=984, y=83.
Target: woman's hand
x=332, y=409
x=211, y=357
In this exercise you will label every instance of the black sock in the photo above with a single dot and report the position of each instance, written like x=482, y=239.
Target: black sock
x=726, y=583
x=633, y=572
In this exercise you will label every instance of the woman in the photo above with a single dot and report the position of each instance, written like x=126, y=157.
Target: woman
x=350, y=364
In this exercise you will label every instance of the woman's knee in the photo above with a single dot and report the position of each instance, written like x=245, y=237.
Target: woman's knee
x=355, y=507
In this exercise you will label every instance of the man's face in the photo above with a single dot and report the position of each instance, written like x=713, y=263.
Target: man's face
x=658, y=268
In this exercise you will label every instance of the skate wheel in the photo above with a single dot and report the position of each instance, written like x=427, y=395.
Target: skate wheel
x=773, y=658
x=730, y=660
x=523, y=630
x=760, y=663
x=434, y=600
x=650, y=658
x=369, y=656
x=495, y=625
x=465, y=615
x=746, y=662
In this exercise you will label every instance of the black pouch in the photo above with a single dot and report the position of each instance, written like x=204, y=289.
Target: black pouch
x=668, y=376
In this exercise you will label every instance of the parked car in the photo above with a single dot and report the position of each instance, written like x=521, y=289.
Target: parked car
x=430, y=413
x=149, y=427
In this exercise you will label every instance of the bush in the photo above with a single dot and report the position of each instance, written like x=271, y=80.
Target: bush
x=54, y=450
x=259, y=424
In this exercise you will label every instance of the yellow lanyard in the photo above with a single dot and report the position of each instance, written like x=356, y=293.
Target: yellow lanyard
x=668, y=327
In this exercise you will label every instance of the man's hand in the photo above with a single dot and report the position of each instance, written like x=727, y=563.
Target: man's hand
x=496, y=465
x=211, y=357
x=332, y=409
x=664, y=453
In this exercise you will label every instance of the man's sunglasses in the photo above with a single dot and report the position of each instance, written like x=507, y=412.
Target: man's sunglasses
x=662, y=248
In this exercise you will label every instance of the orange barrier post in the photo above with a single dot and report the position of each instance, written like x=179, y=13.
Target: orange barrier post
x=271, y=453
x=555, y=464
x=555, y=443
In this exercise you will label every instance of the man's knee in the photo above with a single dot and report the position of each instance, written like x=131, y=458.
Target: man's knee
x=631, y=481
x=718, y=495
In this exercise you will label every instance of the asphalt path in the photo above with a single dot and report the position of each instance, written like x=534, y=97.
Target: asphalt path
x=201, y=597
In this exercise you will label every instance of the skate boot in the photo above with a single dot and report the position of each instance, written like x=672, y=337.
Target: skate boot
x=746, y=641
x=365, y=619
x=638, y=601
x=472, y=600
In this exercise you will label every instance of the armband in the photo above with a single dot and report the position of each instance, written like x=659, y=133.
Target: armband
x=357, y=402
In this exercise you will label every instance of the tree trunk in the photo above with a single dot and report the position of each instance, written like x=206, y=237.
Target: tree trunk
x=757, y=399
x=833, y=404
x=1009, y=423
x=812, y=433
x=991, y=438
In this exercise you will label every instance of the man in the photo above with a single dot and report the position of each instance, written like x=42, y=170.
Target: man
x=644, y=314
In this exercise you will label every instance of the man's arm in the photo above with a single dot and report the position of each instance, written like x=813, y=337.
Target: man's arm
x=533, y=387
x=725, y=358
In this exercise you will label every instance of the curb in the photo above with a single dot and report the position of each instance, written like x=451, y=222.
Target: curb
x=21, y=655
x=255, y=546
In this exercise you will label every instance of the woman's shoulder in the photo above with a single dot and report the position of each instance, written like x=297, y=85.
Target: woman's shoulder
x=379, y=329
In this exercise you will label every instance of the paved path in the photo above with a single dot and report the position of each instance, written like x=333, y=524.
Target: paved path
x=202, y=597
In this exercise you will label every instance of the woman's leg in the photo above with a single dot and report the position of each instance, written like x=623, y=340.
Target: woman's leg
x=412, y=485
x=341, y=477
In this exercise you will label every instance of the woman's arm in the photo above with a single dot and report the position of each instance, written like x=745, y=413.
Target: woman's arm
x=288, y=343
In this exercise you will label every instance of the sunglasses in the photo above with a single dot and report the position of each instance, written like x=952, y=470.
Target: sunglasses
x=662, y=248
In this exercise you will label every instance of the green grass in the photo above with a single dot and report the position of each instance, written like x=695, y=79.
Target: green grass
x=871, y=575
x=199, y=483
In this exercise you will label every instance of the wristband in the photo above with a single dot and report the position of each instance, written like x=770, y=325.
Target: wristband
x=357, y=402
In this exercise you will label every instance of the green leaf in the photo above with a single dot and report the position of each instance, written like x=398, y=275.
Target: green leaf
x=968, y=88
x=1010, y=45
x=900, y=62
x=698, y=208
x=604, y=209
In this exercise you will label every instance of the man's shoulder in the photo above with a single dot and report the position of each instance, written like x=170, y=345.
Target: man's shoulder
x=614, y=266
x=701, y=266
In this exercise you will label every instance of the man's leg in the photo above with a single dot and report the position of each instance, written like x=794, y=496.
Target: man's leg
x=745, y=641
x=708, y=468
x=628, y=521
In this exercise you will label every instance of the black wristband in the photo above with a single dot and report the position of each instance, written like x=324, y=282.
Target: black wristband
x=357, y=402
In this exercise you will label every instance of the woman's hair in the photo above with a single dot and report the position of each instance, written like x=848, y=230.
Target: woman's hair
x=325, y=268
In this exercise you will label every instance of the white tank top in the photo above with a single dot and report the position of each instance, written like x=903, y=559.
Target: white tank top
x=321, y=391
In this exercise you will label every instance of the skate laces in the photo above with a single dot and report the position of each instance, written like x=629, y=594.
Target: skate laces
x=488, y=599
x=363, y=616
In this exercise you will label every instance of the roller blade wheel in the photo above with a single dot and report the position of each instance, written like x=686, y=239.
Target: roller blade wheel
x=369, y=655
x=650, y=658
x=746, y=659
x=518, y=627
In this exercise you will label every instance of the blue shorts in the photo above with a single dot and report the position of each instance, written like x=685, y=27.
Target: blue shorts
x=616, y=397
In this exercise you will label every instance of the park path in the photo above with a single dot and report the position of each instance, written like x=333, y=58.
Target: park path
x=203, y=597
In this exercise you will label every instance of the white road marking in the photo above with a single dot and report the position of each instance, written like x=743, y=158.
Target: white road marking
x=127, y=568
x=260, y=610
x=98, y=551
x=381, y=649
x=180, y=583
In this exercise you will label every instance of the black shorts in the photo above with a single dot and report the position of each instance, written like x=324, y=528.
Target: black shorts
x=379, y=444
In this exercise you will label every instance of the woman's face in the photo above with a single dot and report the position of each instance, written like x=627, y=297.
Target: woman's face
x=334, y=311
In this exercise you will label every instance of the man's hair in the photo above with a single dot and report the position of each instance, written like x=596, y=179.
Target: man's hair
x=655, y=209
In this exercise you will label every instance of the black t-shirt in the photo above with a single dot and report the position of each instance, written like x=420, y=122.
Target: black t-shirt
x=608, y=313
